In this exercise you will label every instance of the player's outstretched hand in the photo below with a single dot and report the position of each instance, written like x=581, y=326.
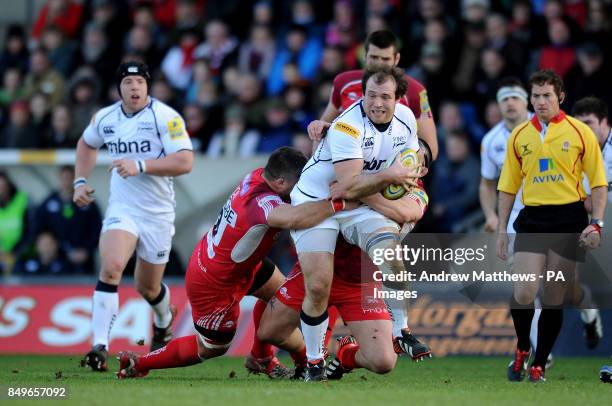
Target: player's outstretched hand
x=125, y=167
x=83, y=195
x=590, y=237
x=502, y=245
x=316, y=129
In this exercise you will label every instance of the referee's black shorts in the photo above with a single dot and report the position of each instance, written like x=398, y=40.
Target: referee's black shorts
x=558, y=228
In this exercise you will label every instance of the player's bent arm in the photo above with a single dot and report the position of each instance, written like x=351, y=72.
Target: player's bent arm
x=174, y=164
x=426, y=130
x=506, y=201
x=330, y=113
x=303, y=215
x=85, y=159
x=488, y=195
x=356, y=185
x=404, y=210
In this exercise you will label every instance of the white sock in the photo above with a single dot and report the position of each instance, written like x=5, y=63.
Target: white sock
x=104, y=313
x=400, y=319
x=313, y=330
x=161, y=308
x=533, y=334
x=588, y=315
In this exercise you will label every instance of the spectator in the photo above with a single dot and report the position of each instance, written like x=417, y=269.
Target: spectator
x=469, y=58
x=256, y=54
x=493, y=67
x=76, y=228
x=178, y=62
x=47, y=259
x=526, y=27
x=61, y=133
x=475, y=11
x=83, y=100
x=450, y=120
x=513, y=51
x=13, y=221
x=300, y=51
x=144, y=16
x=62, y=53
x=296, y=99
x=188, y=17
x=251, y=101
x=65, y=14
x=162, y=91
x=588, y=77
x=200, y=77
x=598, y=26
x=560, y=55
x=279, y=128
x=12, y=87
x=140, y=42
x=40, y=115
x=342, y=29
x=19, y=132
x=455, y=191
x=234, y=139
x=15, y=53
x=43, y=78
x=201, y=124
x=263, y=14
x=219, y=48
x=332, y=63
x=96, y=53
x=430, y=72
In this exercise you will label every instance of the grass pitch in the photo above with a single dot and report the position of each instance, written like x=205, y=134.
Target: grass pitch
x=224, y=381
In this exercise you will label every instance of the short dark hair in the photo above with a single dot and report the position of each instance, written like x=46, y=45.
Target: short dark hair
x=285, y=162
x=426, y=152
x=510, y=81
x=382, y=39
x=547, y=77
x=381, y=73
x=590, y=105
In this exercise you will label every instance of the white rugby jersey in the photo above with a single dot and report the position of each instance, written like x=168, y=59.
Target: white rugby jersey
x=606, y=152
x=492, y=155
x=353, y=136
x=153, y=132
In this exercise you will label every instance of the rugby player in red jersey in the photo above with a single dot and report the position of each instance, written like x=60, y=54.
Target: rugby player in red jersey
x=381, y=48
x=229, y=262
x=371, y=344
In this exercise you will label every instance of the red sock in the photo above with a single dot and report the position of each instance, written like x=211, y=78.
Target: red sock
x=299, y=357
x=332, y=314
x=180, y=352
x=260, y=349
x=347, y=356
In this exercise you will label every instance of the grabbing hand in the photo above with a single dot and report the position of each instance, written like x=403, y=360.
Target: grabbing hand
x=83, y=195
x=316, y=129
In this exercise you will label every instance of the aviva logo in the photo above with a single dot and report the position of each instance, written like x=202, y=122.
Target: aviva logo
x=546, y=164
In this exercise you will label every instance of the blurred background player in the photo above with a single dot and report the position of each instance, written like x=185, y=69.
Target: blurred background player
x=149, y=145
x=381, y=49
x=229, y=263
x=554, y=149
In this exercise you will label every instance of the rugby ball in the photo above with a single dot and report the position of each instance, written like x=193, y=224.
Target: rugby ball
x=409, y=158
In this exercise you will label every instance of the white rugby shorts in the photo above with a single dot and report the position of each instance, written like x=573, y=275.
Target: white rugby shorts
x=154, y=235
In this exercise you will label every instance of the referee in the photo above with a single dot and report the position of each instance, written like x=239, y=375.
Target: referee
x=547, y=155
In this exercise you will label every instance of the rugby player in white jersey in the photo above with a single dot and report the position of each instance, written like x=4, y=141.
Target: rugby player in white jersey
x=149, y=146
x=594, y=113
x=359, y=142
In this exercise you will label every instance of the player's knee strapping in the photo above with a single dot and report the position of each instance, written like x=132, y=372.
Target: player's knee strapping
x=385, y=241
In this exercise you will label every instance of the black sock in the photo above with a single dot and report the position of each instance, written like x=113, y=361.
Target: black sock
x=522, y=315
x=549, y=327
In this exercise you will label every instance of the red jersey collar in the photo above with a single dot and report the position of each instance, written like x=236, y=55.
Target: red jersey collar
x=555, y=120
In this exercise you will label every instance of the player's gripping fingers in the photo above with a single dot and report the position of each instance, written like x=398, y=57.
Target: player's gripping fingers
x=590, y=237
x=316, y=129
x=83, y=195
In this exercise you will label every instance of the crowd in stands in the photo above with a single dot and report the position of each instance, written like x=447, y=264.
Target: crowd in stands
x=249, y=75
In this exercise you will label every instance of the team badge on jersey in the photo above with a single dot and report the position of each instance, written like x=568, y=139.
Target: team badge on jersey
x=175, y=129
x=347, y=129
